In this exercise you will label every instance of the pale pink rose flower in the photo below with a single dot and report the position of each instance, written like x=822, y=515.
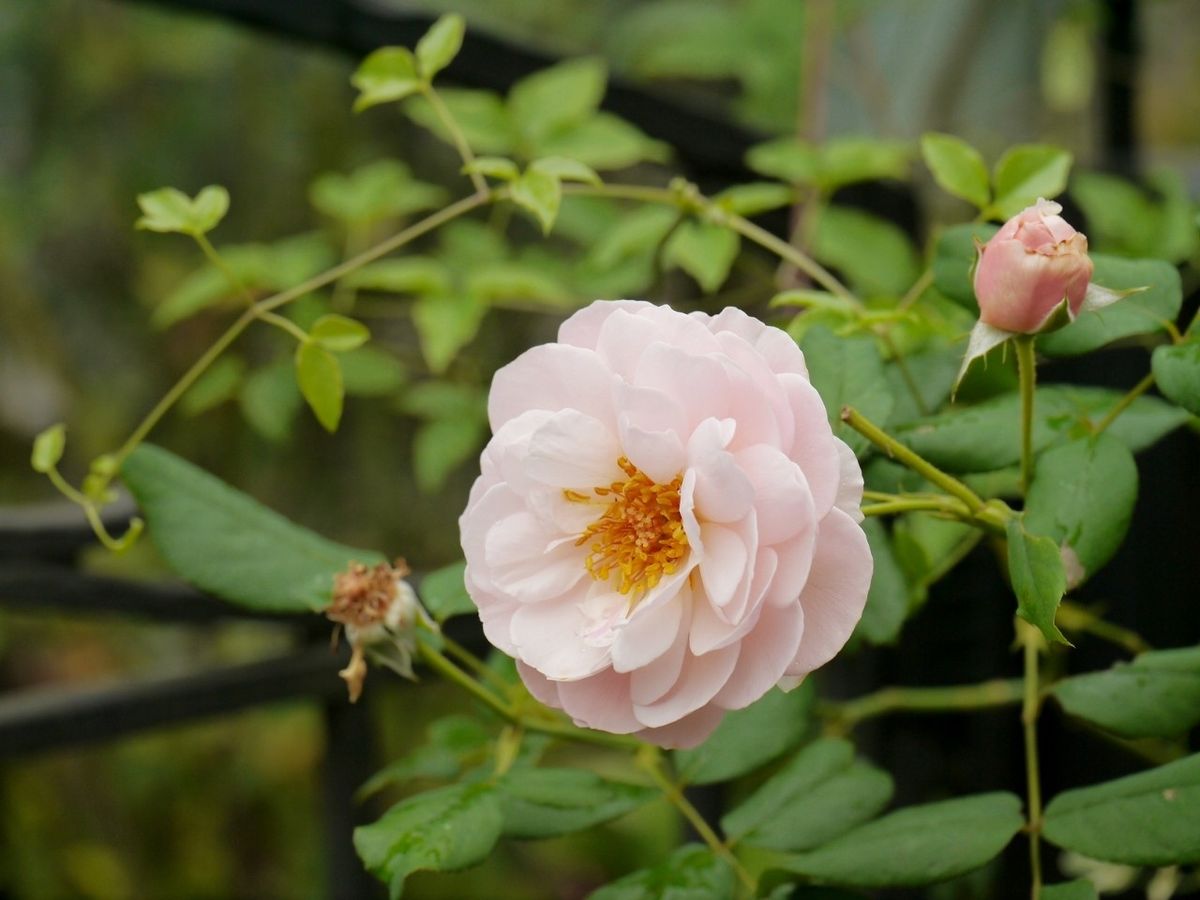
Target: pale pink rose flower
x=665, y=526
x=1031, y=265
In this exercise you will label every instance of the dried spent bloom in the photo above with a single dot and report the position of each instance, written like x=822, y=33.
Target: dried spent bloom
x=1034, y=264
x=378, y=610
x=665, y=526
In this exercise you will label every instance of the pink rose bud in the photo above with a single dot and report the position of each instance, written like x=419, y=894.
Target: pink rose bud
x=1026, y=271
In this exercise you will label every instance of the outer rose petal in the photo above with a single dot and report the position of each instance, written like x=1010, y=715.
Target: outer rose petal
x=774, y=573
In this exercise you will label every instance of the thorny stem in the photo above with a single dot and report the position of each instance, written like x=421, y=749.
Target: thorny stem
x=1027, y=374
x=987, y=694
x=1124, y=403
x=1029, y=712
x=650, y=759
x=992, y=517
x=914, y=461
x=456, y=135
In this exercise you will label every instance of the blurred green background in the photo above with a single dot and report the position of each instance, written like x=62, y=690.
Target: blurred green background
x=102, y=100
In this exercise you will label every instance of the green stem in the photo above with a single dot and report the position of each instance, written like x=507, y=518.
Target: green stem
x=650, y=759
x=906, y=374
x=1075, y=618
x=917, y=463
x=918, y=289
x=456, y=135
x=788, y=253
x=1030, y=704
x=284, y=324
x=985, y=695
x=1124, y=403
x=1027, y=373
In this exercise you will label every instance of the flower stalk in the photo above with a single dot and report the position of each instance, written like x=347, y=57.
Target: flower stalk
x=1027, y=375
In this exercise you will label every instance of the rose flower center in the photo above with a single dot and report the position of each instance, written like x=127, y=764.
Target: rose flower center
x=639, y=535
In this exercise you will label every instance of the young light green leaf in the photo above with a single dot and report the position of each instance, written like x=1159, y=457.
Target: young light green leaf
x=565, y=169
x=440, y=45
x=556, y=98
x=441, y=830
x=1144, y=312
x=319, y=378
x=604, y=142
x=388, y=74
x=339, y=333
x=228, y=544
x=171, y=210
x=540, y=193
x=1082, y=498
x=755, y=198
x=1157, y=695
x=704, y=251
x=452, y=744
x=481, y=115
x=875, y=256
x=690, y=873
x=1025, y=173
x=1177, y=373
x=957, y=167
x=918, y=845
x=497, y=167
x=887, y=600
x=446, y=324
x=371, y=372
x=1039, y=580
x=787, y=159
x=1148, y=819
x=372, y=193
x=269, y=400
x=441, y=446
x=444, y=593
x=407, y=275
x=502, y=283
x=214, y=387
x=820, y=794
x=539, y=803
x=848, y=160
x=48, y=448
x=748, y=738
x=848, y=372
x=638, y=234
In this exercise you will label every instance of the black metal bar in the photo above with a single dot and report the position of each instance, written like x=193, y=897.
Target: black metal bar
x=37, y=720
x=1122, y=47
x=349, y=762
x=702, y=141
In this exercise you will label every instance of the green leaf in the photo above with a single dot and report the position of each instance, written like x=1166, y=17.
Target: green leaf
x=441, y=446
x=604, y=142
x=338, y=333
x=820, y=794
x=887, y=600
x=443, y=399
x=1148, y=819
x=748, y=738
x=875, y=256
x=408, y=275
x=214, y=387
x=269, y=400
x=388, y=74
x=985, y=437
x=848, y=372
x=497, y=283
x=452, y=744
x=228, y=544
x=954, y=261
x=441, y=830
x=440, y=45
x=755, y=198
x=638, y=234
x=704, y=251
x=171, y=210
x=565, y=169
x=556, y=98
x=918, y=845
x=1157, y=695
x=1027, y=172
x=957, y=167
x=540, y=803
x=372, y=193
x=446, y=324
x=1082, y=498
x=493, y=167
x=371, y=372
x=1082, y=889
x=444, y=593
x=1145, y=312
x=48, y=448
x=481, y=115
x=837, y=163
x=319, y=378
x=690, y=873
x=1177, y=373
x=1038, y=579
x=540, y=194
x=787, y=159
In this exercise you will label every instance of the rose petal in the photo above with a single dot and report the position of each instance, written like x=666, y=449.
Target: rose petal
x=813, y=447
x=601, y=701
x=583, y=328
x=548, y=636
x=647, y=635
x=688, y=732
x=766, y=653
x=572, y=450
x=724, y=562
x=783, y=503
x=699, y=681
x=553, y=377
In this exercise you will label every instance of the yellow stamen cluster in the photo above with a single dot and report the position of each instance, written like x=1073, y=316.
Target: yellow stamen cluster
x=639, y=536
